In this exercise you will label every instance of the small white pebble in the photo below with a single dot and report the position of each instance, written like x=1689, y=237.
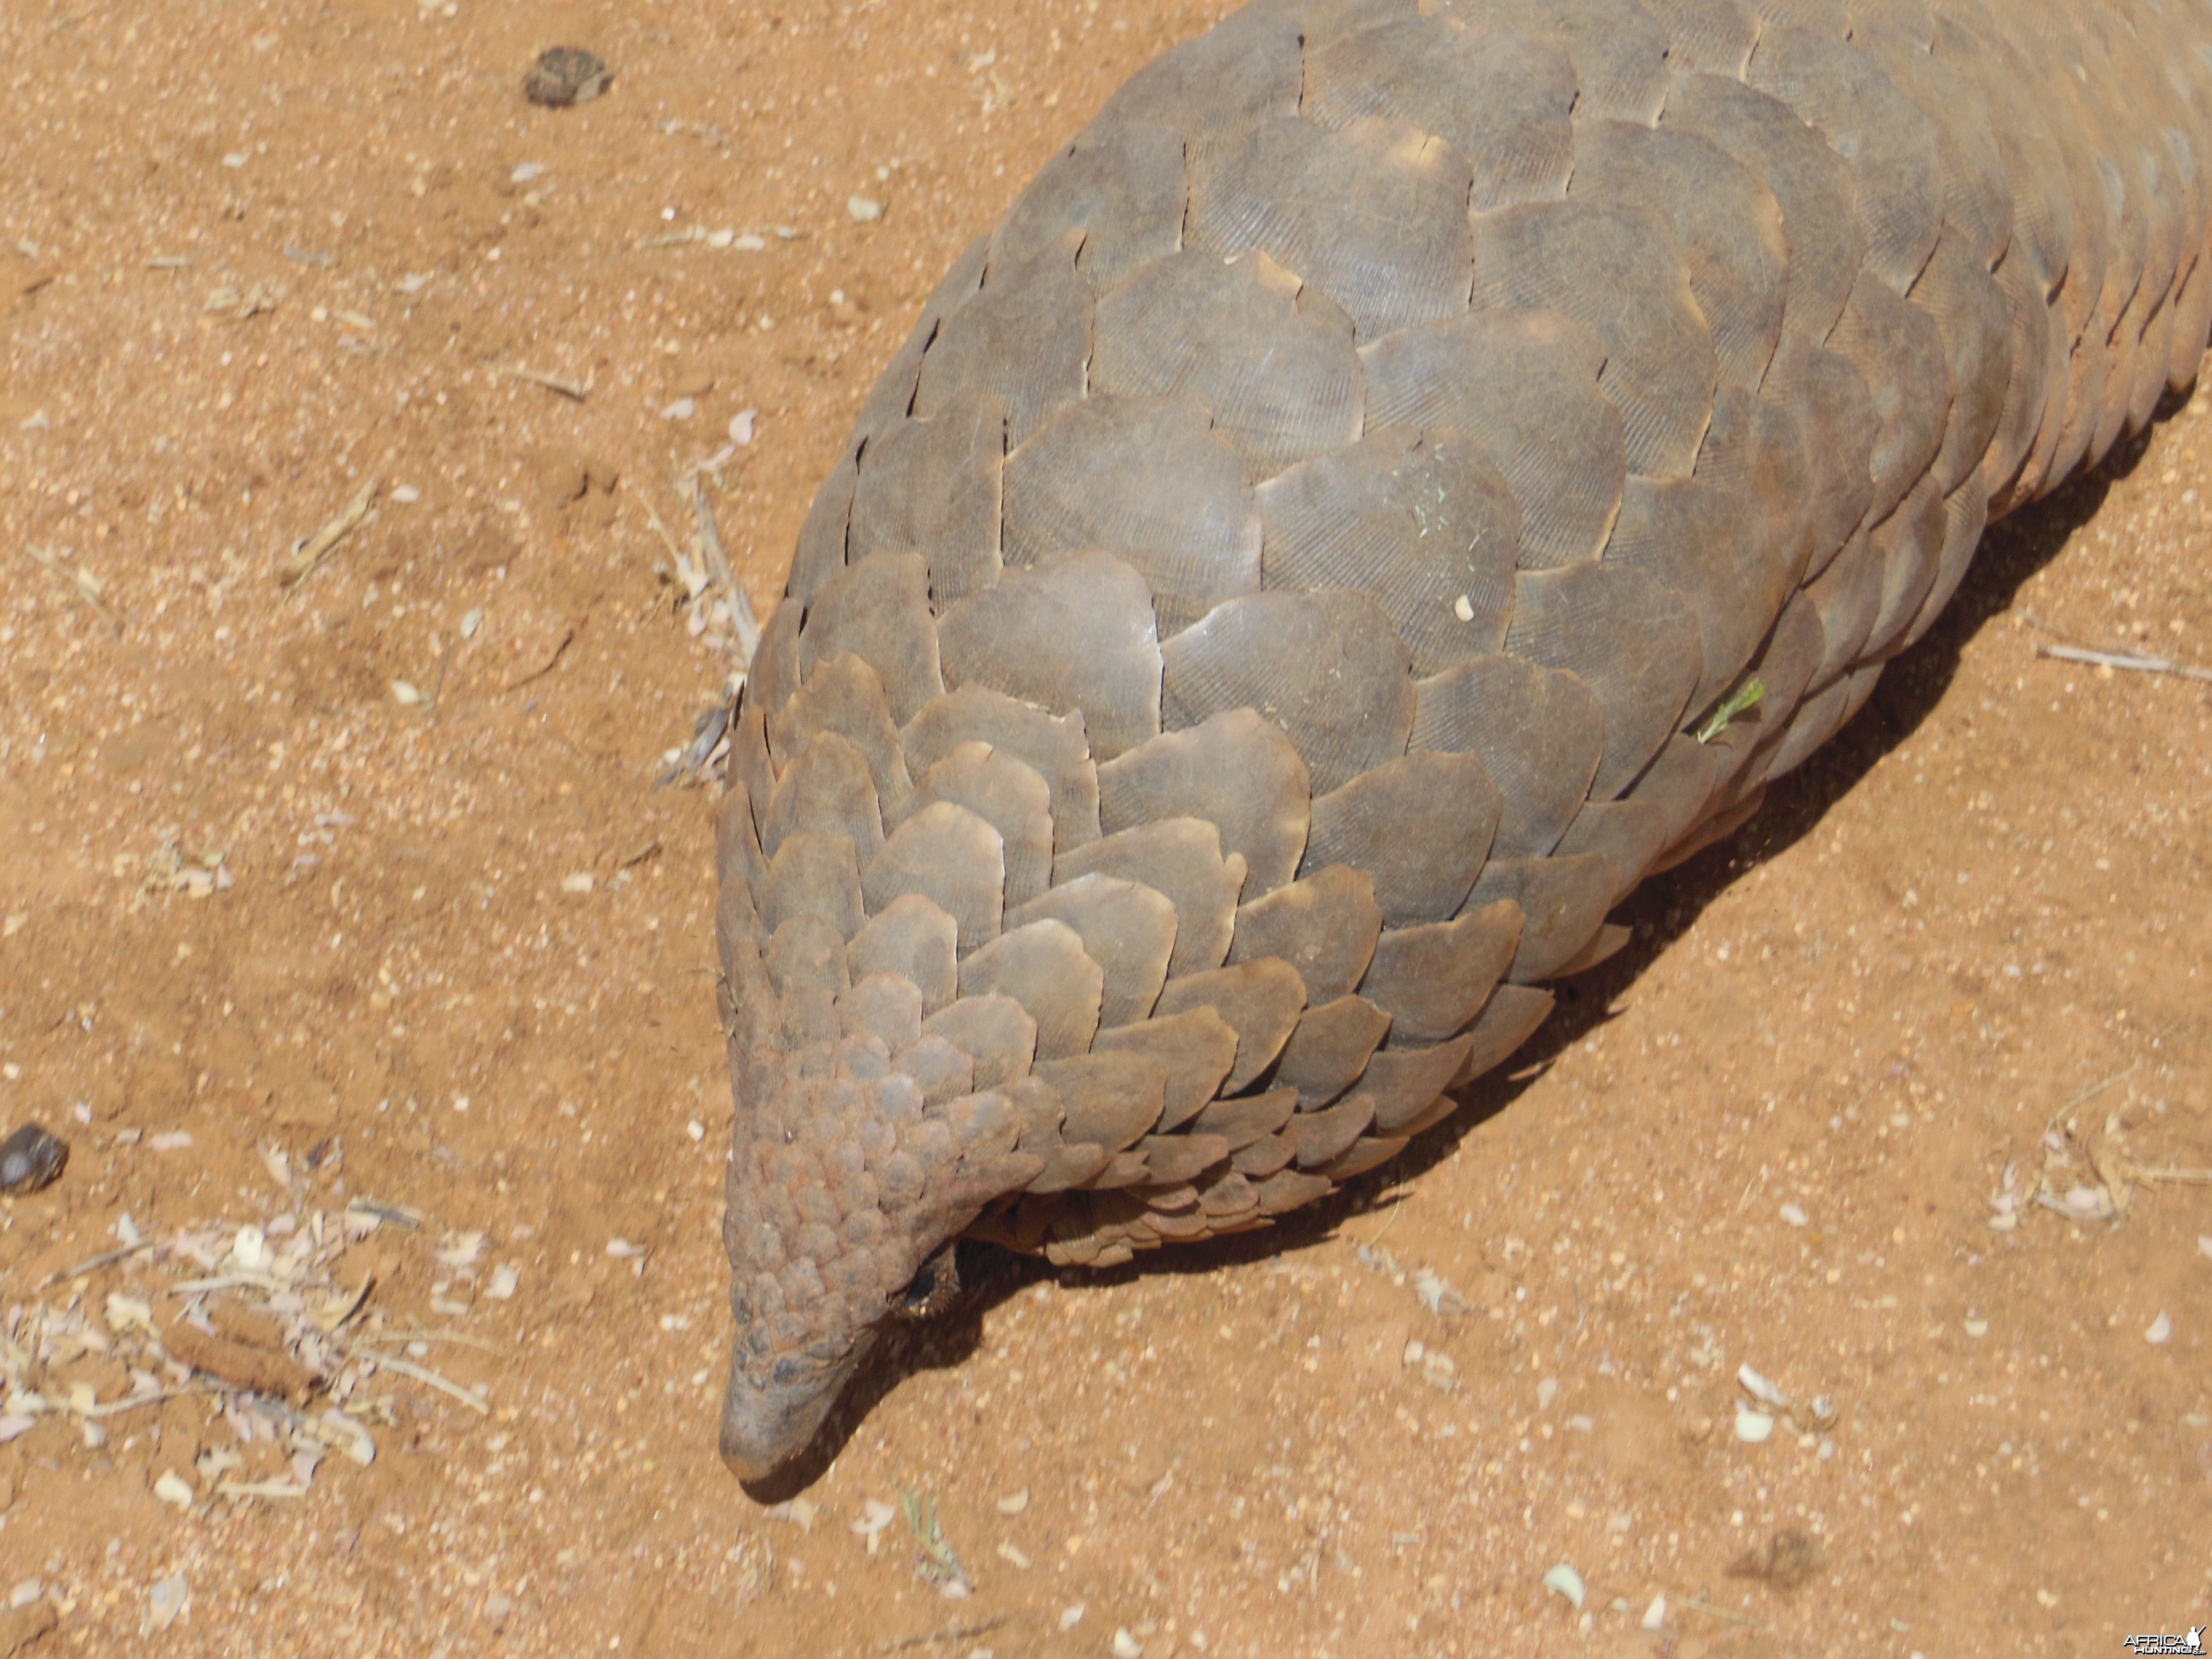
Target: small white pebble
x=1414, y=1352
x=1563, y=1580
x=1795, y=1215
x=235, y=159
x=2204, y=1245
x=741, y=426
x=1655, y=1616
x=1014, y=1502
x=1752, y=1427
x=622, y=1250
x=581, y=881
x=505, y=1279
x=405, y=692
x=695, y=1129
x=251, y=1249
x=171, y=1488
x=406, y=495
x=720, y=238
x=1071, y=1617
x=682, y=409
x=2162, y=1329
x=29, y=1591
x=864, y=209
x=1547, y=1392
x=472, y=620
x=1463, y=608
x=1126, y=1646
x=1978, y=1328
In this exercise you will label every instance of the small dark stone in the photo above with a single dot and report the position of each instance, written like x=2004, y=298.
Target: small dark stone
x=31, y=1158
x=564, y=75
x=1786, y=1561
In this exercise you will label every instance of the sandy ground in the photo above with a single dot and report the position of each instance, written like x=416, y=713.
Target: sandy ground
x=296, y=916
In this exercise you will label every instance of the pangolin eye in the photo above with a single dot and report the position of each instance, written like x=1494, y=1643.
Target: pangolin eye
x=932, y=1288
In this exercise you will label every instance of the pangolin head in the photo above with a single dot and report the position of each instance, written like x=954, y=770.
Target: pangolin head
x=845, y=1183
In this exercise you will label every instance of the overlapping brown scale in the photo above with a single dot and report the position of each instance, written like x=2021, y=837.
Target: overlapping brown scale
x=1701, y=543
x=1524, y=386
x=1725, y=224
x=951, y=856
x=1147, y=479
x=1120, y=185
x=1373, y=215
x=884, y=1007
x=1195, y=1048
x=1628, y=833
x=1957, y=291
x=2149, y=384
x=1975, y=196
x=1432, y=979
x=1127, y=928
x=739, y=858
x=1261, y=1001
x=1237, y=771
x=1815, y=721
x=1966, y=515
x=1613, y=270
x=1180, y=858
x=1910, y=544
x=1327, y=667
x=1330, y=1048
x=1508, y=1019
x=1324, y=925
x=1899, y=352
x=1400, y=1085
x=1246, y=70
x=817, y=875
x=1287, y=1189
x=1180, y=1159
x=1272, y=362
x=1499, y=97
x=1076, y=635
x=1263, y=1157
x=995, y=1032
x=844, y=696
x=933, y=488
x=1052, y=746
x=1364, y=1154
x=1618, y=50
x=1242, y=1120
x=1319, y=1138
x=1625, y=637
x=1683, y=778
x=879, y=612
x=1538, y=732
x=1110, y=1099
x=1008, y=795
x=1422, y=521
x=1043, y=966
x=915, y=940
x=774, y=675
x=891, y=399
x=1420, y=826
x=1841, y=92
x=1833, y=414
x=1561, y=902
x=1810, y=182
x=1023, y=339
x=820, y=553
x=1846, y=598
x=1715, y=36
x=826, y=791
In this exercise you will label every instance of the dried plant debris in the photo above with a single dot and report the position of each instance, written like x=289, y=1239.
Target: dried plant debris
x=2083, y=1178
x=85, y=585
x=266, y=1326
x=934, y=1563
x=1787, y=1560
x=310, y=550
x=564, y=75
x=31, y=1158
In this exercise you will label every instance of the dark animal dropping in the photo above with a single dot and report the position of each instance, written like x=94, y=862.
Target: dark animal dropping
x=1314, y=560
x=31, y=1157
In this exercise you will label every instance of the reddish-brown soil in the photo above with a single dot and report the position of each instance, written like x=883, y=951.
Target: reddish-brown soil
x=1980, y=917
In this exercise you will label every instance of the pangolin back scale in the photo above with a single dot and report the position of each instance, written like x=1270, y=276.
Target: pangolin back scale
x=1320, y=553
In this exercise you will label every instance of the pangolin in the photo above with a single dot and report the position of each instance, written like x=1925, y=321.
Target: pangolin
x=1403, y=474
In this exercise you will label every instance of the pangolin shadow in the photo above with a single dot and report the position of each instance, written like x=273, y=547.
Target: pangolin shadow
x=1659, y=912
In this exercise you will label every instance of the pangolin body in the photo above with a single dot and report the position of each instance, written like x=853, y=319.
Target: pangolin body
x=1311, y=561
